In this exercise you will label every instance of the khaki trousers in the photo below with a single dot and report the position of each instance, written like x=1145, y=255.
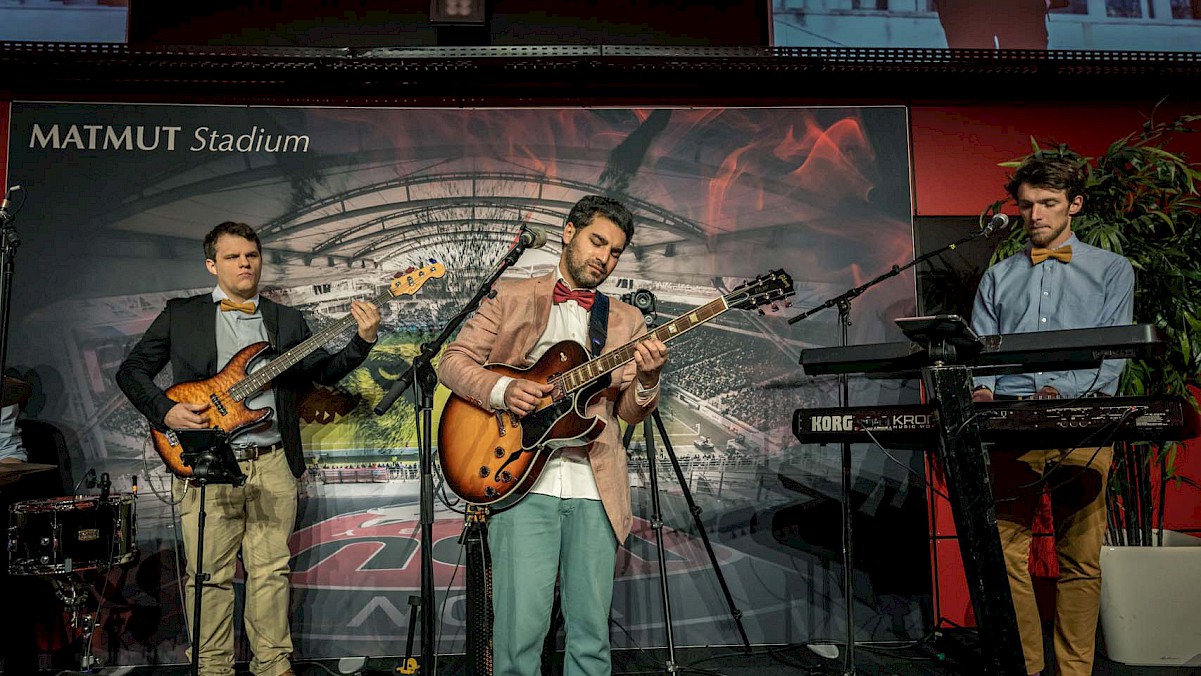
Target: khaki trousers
x=255, y=519
x=1077, y=481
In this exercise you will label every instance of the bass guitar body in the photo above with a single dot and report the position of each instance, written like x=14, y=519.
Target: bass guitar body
x=493, y=457
x=224, y=412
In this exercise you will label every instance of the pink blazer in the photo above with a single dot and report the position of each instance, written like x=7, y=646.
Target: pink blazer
x=505, y=329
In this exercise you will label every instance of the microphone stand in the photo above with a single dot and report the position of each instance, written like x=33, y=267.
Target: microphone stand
x=843, y=303
x=422, y=372
x=9, y=241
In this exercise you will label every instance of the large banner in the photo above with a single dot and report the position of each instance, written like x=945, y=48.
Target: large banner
x=118, y=198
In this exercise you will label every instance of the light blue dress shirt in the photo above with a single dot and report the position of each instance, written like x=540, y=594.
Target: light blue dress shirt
x=1095, y=289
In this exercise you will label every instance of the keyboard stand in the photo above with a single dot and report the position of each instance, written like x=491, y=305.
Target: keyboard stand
x=970, y=490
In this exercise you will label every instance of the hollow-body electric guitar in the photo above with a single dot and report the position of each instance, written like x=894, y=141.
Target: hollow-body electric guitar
x=227, y=392
x=493, y=458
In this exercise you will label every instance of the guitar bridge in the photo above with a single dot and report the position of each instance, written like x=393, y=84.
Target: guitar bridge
x=500, y=423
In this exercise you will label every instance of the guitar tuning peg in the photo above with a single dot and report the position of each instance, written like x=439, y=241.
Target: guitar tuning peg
x=761, y=312
x=775, y=308
x=787, y=303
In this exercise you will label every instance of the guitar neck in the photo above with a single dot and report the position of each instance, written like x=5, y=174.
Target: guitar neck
x=287, y=360
x=587, y=372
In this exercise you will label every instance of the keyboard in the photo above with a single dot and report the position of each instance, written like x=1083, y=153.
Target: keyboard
x=1030, y=423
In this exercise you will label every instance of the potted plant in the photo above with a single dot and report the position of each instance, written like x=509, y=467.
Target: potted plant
x=1142, y=201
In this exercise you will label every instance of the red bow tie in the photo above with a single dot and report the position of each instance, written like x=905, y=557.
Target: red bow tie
x=585, y=297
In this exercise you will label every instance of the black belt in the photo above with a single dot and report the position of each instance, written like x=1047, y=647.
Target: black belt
x=248, y=452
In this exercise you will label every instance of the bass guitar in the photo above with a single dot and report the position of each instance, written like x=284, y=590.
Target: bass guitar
x=493, y=458
x=227, y=392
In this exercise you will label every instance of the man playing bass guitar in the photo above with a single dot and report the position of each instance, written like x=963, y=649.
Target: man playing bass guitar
x=578, y=510
x=198, y=336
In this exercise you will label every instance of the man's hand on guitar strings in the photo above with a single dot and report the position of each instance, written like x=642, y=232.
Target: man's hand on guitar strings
x=523, y=396
x=649, y=357
x=183, y=416
x=367, y=316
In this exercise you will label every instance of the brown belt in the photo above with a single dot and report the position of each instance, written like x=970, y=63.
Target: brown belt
x=242, y=453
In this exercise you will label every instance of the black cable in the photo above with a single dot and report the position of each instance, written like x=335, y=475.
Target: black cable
x=921, y=478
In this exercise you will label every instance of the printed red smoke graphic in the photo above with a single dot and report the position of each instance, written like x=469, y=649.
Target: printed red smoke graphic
x=379, y=550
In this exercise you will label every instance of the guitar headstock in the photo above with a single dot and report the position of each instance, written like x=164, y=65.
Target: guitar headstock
x=769, y=288
x=408, y=282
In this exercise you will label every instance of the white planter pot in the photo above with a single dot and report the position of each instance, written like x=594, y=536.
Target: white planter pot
x=1151, y=602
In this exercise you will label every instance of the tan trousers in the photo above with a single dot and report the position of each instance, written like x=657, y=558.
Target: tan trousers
x=255, y=519
x=1077, y=480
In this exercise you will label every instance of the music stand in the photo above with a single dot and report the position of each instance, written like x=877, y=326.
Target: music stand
x=212, y=460
x=945, y=337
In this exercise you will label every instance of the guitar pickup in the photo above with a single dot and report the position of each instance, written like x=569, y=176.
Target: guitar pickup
x=217, y=404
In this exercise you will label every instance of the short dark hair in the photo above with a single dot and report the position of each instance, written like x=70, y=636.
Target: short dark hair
x=1053, y=171
x=229, y=228
x=591, y=206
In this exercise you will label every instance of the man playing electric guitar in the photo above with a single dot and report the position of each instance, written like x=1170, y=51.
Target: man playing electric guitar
x=198, y=336
x=578, y=510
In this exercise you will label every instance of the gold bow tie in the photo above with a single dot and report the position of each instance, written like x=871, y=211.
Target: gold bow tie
x=1039, y=254
x=227, y=305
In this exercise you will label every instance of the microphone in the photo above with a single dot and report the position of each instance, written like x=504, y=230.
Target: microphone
x=4, y=215
x=998, y=222
x=531, y=238
x=398, y=388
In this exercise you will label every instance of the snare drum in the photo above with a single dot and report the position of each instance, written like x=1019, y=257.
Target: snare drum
x=74, y=533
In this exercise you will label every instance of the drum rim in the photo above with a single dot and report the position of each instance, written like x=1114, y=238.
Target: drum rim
x=67, y=503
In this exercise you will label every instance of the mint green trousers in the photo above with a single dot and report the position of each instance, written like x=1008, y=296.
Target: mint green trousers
x=531, y=543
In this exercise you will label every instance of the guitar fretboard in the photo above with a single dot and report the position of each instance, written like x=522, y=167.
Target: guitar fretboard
x=585, y=373
x=253, y=383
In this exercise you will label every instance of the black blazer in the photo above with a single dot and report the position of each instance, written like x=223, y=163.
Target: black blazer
x=185, y=333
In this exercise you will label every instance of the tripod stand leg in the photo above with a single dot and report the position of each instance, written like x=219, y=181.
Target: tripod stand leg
x=693, y=509
x=657, y=525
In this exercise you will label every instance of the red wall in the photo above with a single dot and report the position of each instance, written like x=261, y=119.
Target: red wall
x=956, y=150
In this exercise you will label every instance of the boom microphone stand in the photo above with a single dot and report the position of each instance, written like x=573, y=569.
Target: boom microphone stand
x=422, y=372
x=843, y=303
x=9, y=241
x=646, y=304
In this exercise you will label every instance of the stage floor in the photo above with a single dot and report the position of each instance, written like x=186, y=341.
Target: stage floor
x=950, y=654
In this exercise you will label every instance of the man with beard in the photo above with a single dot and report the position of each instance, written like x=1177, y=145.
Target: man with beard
x=578, y=511
x=1058, y=282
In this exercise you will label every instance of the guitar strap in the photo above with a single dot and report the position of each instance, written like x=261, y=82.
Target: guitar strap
x=598, y=326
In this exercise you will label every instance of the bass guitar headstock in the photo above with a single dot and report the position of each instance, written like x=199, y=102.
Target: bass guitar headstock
x=408, y=282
